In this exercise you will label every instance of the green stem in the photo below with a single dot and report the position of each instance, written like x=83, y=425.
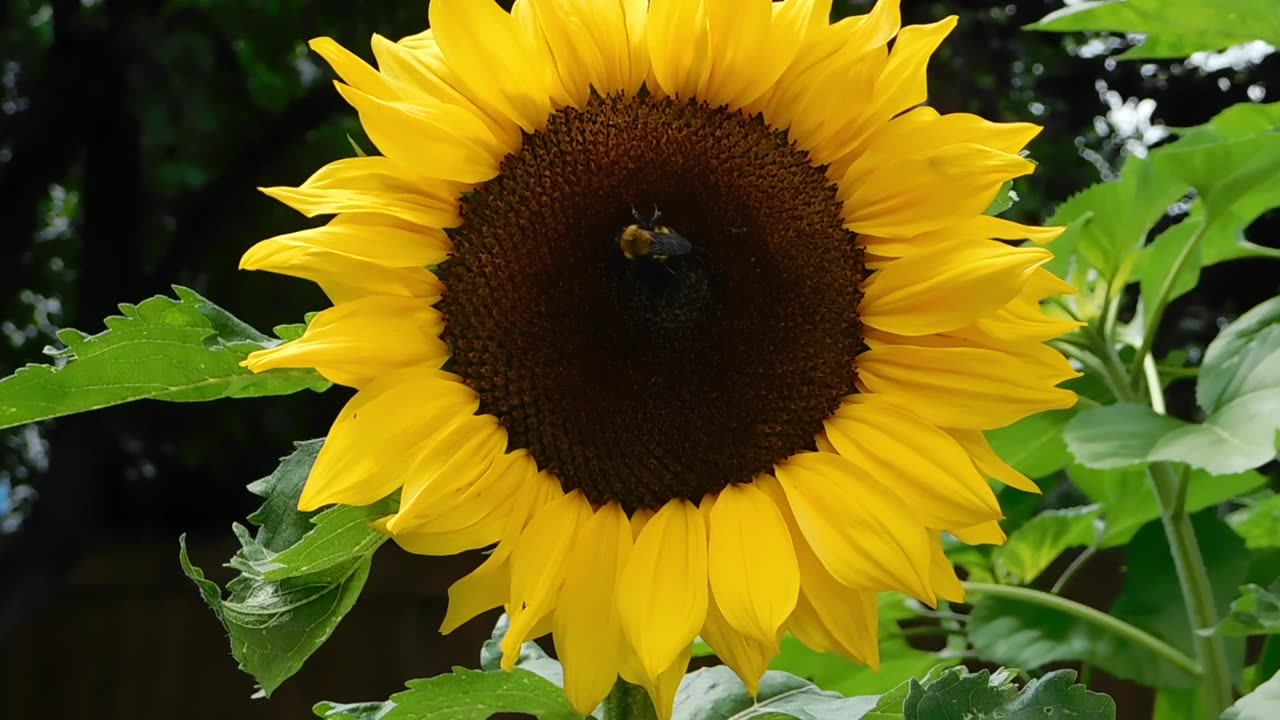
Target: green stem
x=628, y=702
x=1090, y=615
x=1076, y=566
x=1197, y=591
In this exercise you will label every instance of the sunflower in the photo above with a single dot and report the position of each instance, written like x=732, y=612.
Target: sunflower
x=750, y=421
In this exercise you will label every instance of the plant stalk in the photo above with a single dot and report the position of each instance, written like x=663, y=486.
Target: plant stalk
x=628, y=702
x=1090, y=615
x=1197, y=592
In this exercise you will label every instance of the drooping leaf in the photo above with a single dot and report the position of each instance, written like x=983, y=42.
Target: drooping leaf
x=1261, y=704
x=294, y=585
x=717, y=694
x=1255, y=612
x=1128, y=502
x=184, y=350
x=462, y=695
x=1026, y=635
x=959, y=695
x=1034, y=445
x=1034, y=546
x=1173, y=28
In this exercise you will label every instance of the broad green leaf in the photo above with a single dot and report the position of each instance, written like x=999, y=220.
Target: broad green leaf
x=958, y=695
x=1239, y=390
x=1034, y=546
x=294, y=585
x=1034, y=446
x=1117, y=436
x=1261, y=704
x=1258, y=522
x=1173, y=28
x=1021, y=634
x=184, y=350
x=532, y=657
x=717, y=694
x=1128, y=501
x=1255, y=612
x=898, y=660
x=462, y=695
x=889, y=706
x=1180, y=246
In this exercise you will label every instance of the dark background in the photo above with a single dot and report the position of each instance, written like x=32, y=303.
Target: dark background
x=132, y=138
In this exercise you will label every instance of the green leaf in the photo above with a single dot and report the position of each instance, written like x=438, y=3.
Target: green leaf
x=1005, y=198
x=184, y=350
x=294, y=586
x=717, y=694
x=1239, y=390
x=1261, y=704
x=1255, y=612
x=1258, y=522
x=1128, y=502
x=958, y=695
x=1034, y=546
x=462, y=695
x=1173, y=28
x=898, y=660
x=1177, y=704
x=1117, y=436
x=1034, y=445
x=1021, y=634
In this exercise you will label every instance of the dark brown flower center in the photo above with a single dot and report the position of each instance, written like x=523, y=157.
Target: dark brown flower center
x=643, y=380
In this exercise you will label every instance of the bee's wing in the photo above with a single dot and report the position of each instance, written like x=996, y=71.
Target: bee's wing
x=669, y=244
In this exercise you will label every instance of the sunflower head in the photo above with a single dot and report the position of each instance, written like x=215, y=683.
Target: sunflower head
x=689, y=308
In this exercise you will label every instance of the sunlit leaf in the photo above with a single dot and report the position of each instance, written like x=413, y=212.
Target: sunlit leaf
x=1255, y=612
x=1258, y=522
x=717, y=694
x=1034, y=546
x=1173, y=28
x=184, y=350
x=1261, y=704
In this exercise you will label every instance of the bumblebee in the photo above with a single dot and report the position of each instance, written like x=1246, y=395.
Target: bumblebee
x=647, y=238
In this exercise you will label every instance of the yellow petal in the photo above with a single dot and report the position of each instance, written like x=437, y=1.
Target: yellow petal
x=590, y=45
x=364, y=456
x=459, y=507
x=864, y=535
x=941, y=572
x=445, y=141
x=920, y=193
x=678, y=43
x=354, y=71
x=977, y=227
x=588, y=634
x=947, y=287
x=989, y=463
x=489, y=585
x=967, y=388
x=662, y=689
x=829, y=617
x=446, y=465
x=386, y=246
x=356, y=342
x=747, y=656
x=988, y=533
x=662, y=595
x=537, y=568
x=751, y=564
x=913, y=459
x=497, y=62
x=373, y=185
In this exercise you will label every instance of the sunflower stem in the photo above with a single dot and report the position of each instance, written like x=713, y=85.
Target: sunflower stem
x=1090, y=615
x=628, y=702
